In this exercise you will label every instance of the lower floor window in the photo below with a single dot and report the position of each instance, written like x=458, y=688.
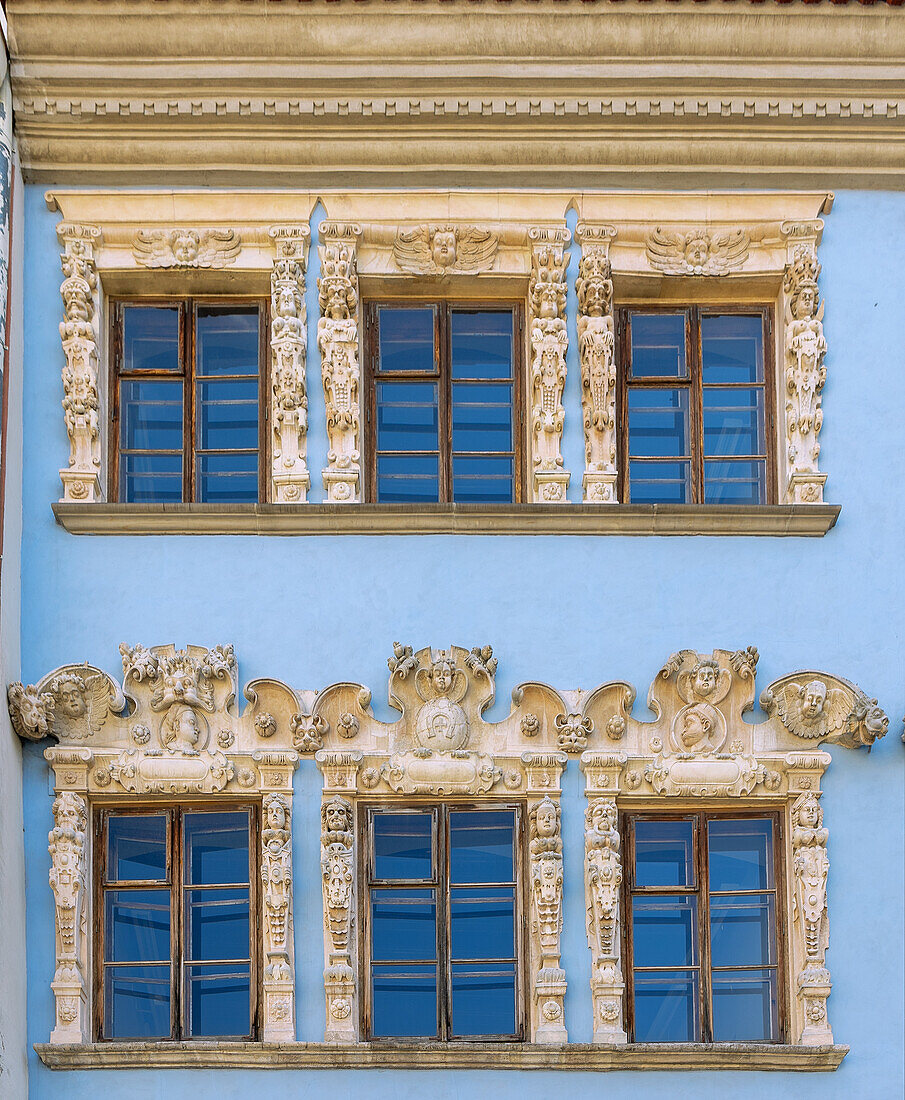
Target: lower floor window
x=702, y=928
x=175, y=924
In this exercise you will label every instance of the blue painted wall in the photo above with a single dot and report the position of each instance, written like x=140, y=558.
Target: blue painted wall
x=570, y=610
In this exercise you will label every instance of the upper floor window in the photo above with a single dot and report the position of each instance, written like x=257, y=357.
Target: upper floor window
x=442, y=915
x=701, y=925
x=442, y=402
x=174, y=950
x=186, y=395
x=695, y=404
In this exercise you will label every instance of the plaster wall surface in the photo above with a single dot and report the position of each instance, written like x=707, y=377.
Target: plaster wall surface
x=573, y=611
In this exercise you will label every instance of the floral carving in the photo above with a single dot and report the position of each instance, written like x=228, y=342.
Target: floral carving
x=30, y=711
x=403, y=661
x=445, y=249
x=265, y=725
x=186, y=248
x=697, y=252
x=66, y=844
x=348, y=725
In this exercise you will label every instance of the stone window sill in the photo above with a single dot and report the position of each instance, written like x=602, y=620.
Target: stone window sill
x=572, y=1056
x=802, y=520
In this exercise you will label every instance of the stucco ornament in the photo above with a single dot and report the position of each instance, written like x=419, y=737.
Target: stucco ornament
x=596, y=349
x=818, y=707
x=82, y=404
x=603, y=881
x=276, y=881
x=572, y=731
x=288, y=344
x=546, y=870
x=339, y=900
x=810, y=867
x=68, y=880
x=445, y=249
x=30, y=711
x=337, y=340
x=186, y=248
x=82, y=703
x=697, y=252
x=549, y=344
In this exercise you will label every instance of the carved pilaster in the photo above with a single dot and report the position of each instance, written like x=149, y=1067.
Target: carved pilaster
x=549, y=344
x=337, y=869
x=810, y=929
x=603, y=881
x=276, y=880
x=337, y=340
x=804, y=373
x=68, y=879
x=596, y=348
x=546, y=881
x=290, y=479
x=79, y=333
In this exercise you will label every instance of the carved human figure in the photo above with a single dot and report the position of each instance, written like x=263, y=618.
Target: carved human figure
x=811, y=866
x=441, y=725
x=181, y=730
x=66, y=845
x=288, y=342
x=805, y=349
x=604, y=875
x=700, y=729
x=549, y=344
x=276, y=876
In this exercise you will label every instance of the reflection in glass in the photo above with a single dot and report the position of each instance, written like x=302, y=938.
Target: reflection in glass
x=136, y=925
x=226, y=413
x=227, y=478
x=483, y=999
x=658, y=423
x=150, y=479
x=481, y=344
x=482, y=922
x=404, y=1001
x=137, y=1002
x=666, y=1007
x=402, y=846
x=217, y=924
x=742, y=930
x=136, y=847
x=216, y=848
x=733, y=421
x=664, y=853
x=480, y=843
x=407, y=339
x=664, y=930
x=482, y=480
x=403, y=925
x=218, y=1000
x=227, y=340
x=150, y=415
x=658, y=345
x=150, y=338
x=659, y=482
x=733, y=349
x=481, y=416
x=744, y=1005
x=407, y=418
x=740, y=854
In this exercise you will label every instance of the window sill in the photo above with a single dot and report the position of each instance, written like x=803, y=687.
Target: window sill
x=803, y=520
x=573, y=1056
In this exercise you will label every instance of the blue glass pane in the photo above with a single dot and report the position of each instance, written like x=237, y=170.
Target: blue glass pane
x=229, y=478
x=664, y=853
x=658, y=345
x=664, y=928
x=226, y=415
x=483, y=999
x=149, y=479
x=733, y=421
x=482, y=480
x=150, y=338
x=137, y=1002
x=136, y=847
x=407, y=339
x=740, y=854
x=150, y=415
x=403, y=925
x=735, y=482
x=136, y=925
x=742, y=930
x=481, y=416
x=218, y=1000
x=744, y=1005
x=733, y=349
x=481, y=344
x=482, y=922
x=216, y=924
x=216, y=848
x=480, y=846
x=407, y=417
x=227, y=340
x=658, y=423
x=404, y=1001
x=408, y=479
x=666, y=1007
x=402, y=846
x=660, y=482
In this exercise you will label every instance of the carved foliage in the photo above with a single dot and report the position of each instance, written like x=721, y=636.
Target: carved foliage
x=697, y=252
x=186, y=248
x=445, y=249
x=66, y=844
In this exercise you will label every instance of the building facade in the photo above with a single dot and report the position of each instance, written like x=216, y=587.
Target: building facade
x=397, y=392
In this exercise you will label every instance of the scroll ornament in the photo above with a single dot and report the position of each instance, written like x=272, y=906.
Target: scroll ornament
x=445, y=250
x=596, y=343
x=186, y=248
x=338, y=885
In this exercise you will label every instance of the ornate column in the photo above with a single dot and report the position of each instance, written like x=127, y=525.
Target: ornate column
x=337, y=340
x=546, y=882
x=549, y=343
x=290, y=479
x=603, y=893
x=596, y=349
x=68, y=880
x=803, y=370
x=78, y=331
x=340, y=770
x=810, y=928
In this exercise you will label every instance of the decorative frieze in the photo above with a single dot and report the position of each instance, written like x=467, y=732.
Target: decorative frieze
x=82, y=407
x=549, y=344
x=68, y=880
x=290, y=479
x=337, y=341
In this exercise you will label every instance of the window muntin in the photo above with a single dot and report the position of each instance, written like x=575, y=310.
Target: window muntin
x=696, y=398
x=442, y=402
x=701, y=925
x=186, y=395
x=175, y=938
x=442, y=913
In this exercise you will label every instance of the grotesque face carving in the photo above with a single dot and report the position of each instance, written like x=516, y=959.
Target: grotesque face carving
x=705, y=676
x=336, y=818
x=71, y=699
x=814, y=700
x=443, y=247
x=185, y=247
x=286, y=303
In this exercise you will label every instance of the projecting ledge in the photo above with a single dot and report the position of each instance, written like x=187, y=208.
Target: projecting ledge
x=803, y=520
x=638, y=1056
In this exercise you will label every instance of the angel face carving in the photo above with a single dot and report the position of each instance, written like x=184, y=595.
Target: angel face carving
x=697, y=252
x=445, y=249
x=697, y=249
x=185, y=246
x=442, y=676
x=70, y=694
x=704, y=678
x=814, y=700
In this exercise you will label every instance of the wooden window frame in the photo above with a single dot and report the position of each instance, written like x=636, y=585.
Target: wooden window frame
x=440, y=812
x=177, y=887
x=702, y=892
x=188, y=307
x=442, y=375
x=694, y=384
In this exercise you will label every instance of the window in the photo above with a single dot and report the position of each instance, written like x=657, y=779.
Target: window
x=695, y=402
x=701, y=922
x=175, y=925
x=441, y=403
x=442, y=918
x=186, y=396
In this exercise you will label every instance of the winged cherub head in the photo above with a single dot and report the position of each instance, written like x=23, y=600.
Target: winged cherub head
x=697, y=250
x=70, y=694
x=443, y=668
x=813, y=700
x=444, y=245
x=185, y=246
x=704, y=677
